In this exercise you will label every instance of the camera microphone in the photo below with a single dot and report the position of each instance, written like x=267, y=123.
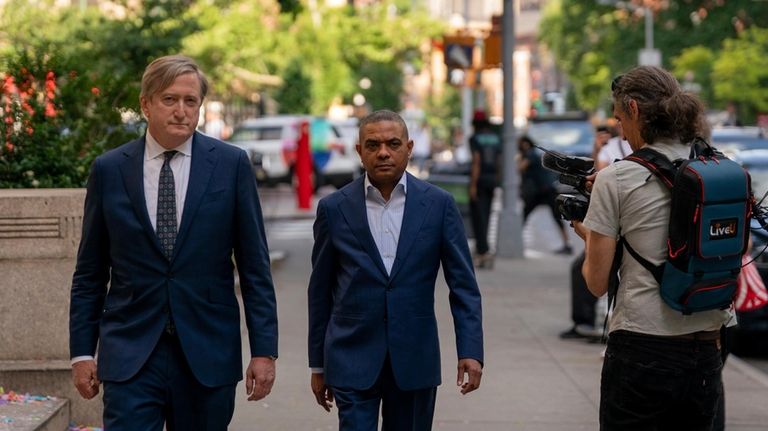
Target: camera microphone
x=559, y=162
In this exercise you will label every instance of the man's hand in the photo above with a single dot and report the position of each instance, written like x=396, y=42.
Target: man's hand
x=470, y=373
x=84, y=377
x=259, y=377
x=323, y=393
x=580, y=229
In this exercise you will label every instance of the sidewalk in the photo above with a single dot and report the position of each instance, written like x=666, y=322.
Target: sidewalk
x=532, y=381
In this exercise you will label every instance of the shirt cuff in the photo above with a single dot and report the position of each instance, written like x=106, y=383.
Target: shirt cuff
x=317, y=370
x=80, y=359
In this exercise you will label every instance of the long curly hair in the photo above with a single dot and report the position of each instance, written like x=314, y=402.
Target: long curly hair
x=665, y=109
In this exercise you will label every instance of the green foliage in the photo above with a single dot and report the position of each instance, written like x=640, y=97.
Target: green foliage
x=237, y=45
x=54, y=122
x=442, y=109
x=594, y=41
x=386, y=85
x=304, y=54
x=740, y=74
x=96, y=63
x=292, y=96
x=694, y=64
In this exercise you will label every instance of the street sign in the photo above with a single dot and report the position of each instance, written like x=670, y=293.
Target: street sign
x=458, y=51
x=649, y=57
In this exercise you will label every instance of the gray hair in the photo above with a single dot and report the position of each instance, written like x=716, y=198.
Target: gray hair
x=161, y=73
x=384, y=115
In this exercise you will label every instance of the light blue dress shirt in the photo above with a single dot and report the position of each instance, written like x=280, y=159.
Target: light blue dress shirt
x=385, y=218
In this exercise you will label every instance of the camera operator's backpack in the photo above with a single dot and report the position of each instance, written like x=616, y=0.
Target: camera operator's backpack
x=708, y=227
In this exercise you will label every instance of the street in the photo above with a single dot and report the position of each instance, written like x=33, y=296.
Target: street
x=532, y=379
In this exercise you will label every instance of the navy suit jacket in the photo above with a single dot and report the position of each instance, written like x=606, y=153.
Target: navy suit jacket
x=358, y=314
x=120, y=249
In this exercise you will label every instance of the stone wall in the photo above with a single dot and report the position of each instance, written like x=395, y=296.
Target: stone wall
x=39, y=236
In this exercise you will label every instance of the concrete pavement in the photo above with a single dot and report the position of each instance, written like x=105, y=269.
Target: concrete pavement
x=532, y=381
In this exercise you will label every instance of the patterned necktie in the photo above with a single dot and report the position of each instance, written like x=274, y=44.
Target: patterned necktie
x=166, y=207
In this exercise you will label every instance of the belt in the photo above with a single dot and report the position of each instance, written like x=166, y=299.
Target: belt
x=697, y=336
x=693, y=336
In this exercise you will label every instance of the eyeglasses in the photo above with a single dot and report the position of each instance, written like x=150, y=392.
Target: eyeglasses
x=615, y=82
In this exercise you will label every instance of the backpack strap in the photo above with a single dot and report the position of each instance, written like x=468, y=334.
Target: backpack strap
x=657, y=271
x=665, y=170
x=655, y=162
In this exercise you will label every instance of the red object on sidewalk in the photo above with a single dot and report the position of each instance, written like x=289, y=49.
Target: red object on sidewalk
x=303, y=169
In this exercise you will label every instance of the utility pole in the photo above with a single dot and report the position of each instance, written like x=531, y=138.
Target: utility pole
x=509, y=241
x=466, y=92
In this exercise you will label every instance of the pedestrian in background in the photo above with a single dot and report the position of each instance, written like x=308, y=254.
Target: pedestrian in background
x=379, y=243
x=163, y=216
x=587, y=312
x=662, y=369
x=485, y=176
x=537, y=187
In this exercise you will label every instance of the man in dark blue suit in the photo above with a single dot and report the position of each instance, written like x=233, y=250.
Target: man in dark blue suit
x=379, y=243
x=154, y=282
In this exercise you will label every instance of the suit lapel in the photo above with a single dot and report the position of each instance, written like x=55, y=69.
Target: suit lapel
x=203, y=163
x=416, y=210
x=354, y=211
x=132, y=170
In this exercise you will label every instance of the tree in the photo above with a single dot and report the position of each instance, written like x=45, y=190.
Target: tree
x=740, y=74
x=292, y=96
x=72, y=91
x=54, y=121
x=586, y=36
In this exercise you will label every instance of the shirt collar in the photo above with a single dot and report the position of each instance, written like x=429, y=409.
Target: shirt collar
x=403, y=182
x=154, y=149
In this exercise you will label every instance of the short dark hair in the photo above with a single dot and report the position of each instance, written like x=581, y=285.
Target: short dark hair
x=665, y=109
x=383, y=115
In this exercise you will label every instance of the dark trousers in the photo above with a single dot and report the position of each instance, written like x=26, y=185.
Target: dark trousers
x=480, y=211
x=544, y=198
x=652, y=383
x=400, y=410
x=166, y=392
x=582, y=300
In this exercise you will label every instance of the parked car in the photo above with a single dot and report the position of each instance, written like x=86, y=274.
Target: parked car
x=569, y=132
x=271, y=143
x=731, y=140
x=750, y=336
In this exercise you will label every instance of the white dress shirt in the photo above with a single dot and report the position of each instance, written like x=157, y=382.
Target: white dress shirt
x=153, y=162
x=180, y=165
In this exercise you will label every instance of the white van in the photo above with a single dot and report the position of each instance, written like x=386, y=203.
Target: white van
x=271, y=144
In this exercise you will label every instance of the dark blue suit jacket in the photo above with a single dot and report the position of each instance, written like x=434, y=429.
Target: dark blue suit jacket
x=119, y=248
x=358, y=313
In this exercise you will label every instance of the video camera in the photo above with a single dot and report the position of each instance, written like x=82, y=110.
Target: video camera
x=573, y=172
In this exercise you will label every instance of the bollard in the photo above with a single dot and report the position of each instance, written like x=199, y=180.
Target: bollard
x=303, y=169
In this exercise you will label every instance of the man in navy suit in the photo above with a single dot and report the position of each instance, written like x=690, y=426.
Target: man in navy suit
x=163, y=216
x=379, y=243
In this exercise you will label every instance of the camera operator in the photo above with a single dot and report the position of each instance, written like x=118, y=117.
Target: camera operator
x=662, y=369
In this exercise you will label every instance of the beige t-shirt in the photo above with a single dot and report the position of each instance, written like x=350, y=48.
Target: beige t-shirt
x=628, y=199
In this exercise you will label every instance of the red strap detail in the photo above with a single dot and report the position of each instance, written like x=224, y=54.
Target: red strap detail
x=704, y=289
x=674, y=253
x=652, y=168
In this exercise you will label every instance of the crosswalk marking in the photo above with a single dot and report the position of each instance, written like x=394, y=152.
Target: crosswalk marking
x=289, y=230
